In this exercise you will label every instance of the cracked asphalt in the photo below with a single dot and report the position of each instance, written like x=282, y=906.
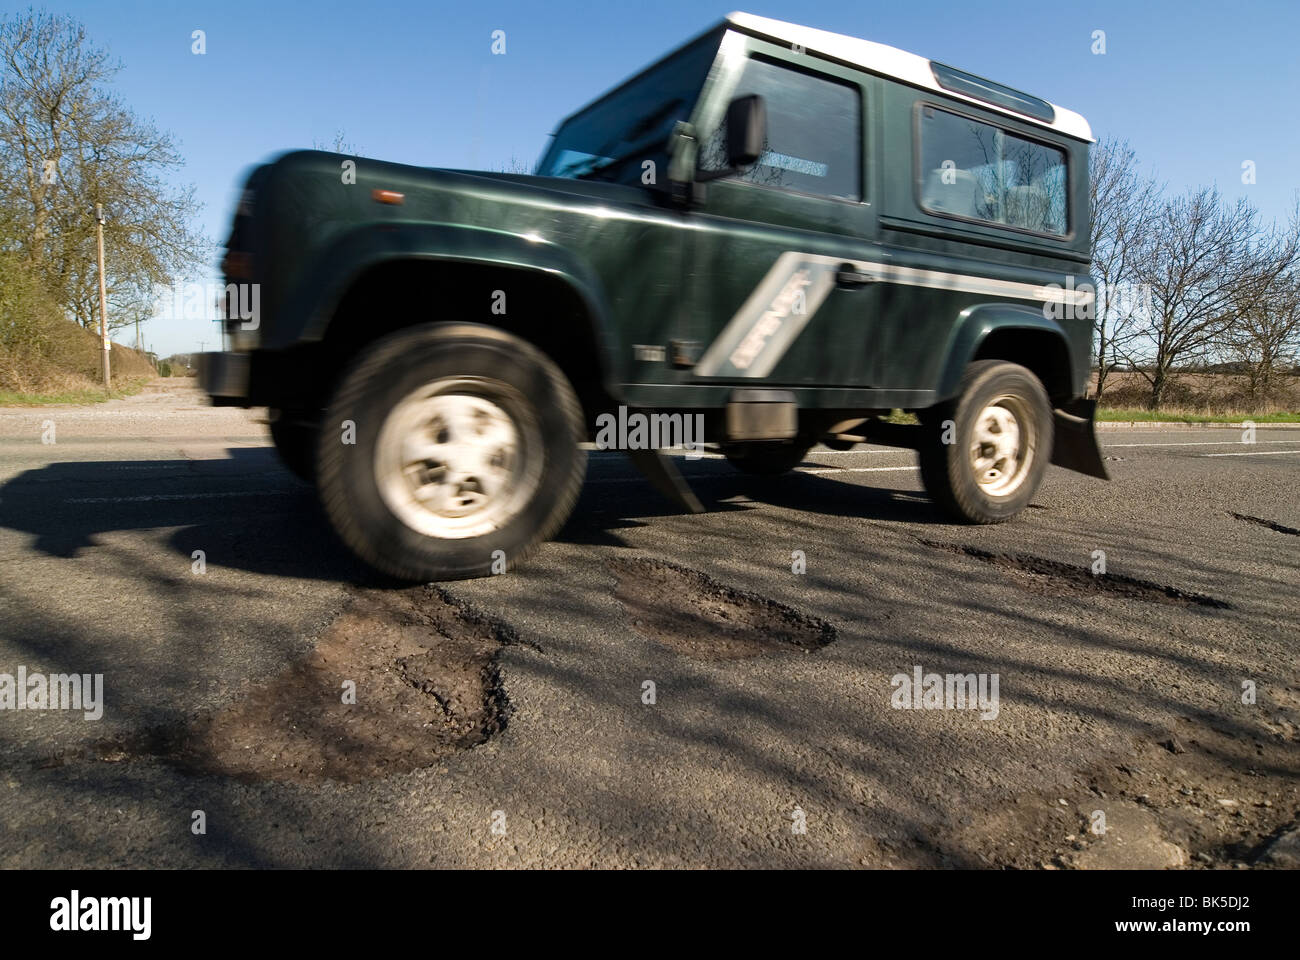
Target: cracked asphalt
x=98, y=534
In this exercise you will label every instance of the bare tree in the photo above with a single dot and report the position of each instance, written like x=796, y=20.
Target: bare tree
x=1266, y=339
x=340, y=144
x=515, y=165
x=1204, y=262
x=67, y=144
x=1123, y=204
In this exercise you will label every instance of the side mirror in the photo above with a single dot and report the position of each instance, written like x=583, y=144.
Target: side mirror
x=746, y=135
x=746, y=130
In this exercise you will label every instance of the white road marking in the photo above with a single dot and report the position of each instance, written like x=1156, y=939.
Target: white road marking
x=845, y=453
x=611, y=454
x=1194, y=443
x=1253, y=453
x=184, y=496
x=164, y=466
x=734, y=476
x=857, y=469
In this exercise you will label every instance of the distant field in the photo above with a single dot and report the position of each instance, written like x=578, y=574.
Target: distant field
x=1177, y=416
x=1198, y=397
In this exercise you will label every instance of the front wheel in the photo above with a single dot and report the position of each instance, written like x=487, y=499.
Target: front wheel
x=450, y=451
x=984, y=454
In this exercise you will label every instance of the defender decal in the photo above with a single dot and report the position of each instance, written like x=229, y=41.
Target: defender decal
x=757, y=337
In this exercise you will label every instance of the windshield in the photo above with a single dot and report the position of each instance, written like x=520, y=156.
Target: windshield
x=614, y=137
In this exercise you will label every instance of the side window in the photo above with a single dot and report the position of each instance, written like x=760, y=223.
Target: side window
x=814, y=139
x=978, y=171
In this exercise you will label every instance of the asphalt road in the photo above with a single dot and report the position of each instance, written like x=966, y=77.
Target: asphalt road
x=1120, y=693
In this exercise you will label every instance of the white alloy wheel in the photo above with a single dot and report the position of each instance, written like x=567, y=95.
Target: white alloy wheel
x=1001, y=450
x=459, y=457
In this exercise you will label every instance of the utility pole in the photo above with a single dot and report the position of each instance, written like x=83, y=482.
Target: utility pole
x=103, y=291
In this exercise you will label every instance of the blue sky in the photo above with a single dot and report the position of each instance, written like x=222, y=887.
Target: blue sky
x=1197, y=88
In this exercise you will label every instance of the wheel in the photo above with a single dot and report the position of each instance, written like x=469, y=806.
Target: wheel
x=987, y=464
x=294, y=437
x=450, y=451
x=766, y=458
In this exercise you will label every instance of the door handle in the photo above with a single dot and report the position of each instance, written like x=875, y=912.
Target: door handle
x=850, y=276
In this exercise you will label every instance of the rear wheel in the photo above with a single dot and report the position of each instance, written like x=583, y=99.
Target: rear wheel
x=294, y=436
x=984, y=454
x=766, y=458
x=450, y=451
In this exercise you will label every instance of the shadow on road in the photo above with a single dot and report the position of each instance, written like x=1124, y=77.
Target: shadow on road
x=261, y=520
x=245, y=509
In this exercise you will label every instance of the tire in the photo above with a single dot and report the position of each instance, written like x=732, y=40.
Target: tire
x=464, y=457
x=295, y=442
x=987, y=473
x=766, y=458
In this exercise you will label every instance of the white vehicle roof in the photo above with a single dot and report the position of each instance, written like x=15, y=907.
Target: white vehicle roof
x=891, y=62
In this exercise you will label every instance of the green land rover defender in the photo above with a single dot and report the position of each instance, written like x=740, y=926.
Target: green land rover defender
x=779, y=233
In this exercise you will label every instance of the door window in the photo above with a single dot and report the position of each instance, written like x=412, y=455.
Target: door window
x=814, y=140
x=977, y=171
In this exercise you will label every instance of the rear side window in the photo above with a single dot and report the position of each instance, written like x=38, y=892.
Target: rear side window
x=977, y=171
x=814, y=140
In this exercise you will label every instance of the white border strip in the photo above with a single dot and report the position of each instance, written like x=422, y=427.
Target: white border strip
x=881, y=58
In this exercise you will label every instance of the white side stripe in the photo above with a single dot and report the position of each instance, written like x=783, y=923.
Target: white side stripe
x=961, y=282
x=774, y=314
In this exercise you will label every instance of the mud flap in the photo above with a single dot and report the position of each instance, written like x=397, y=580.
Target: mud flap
x=1076, y=446
x=666, y=478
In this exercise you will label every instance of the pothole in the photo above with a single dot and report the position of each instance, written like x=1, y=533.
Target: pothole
x=424, y=670
x=699, y=617
x=1210, y=792
x=1260, y=521
x=1051, y=576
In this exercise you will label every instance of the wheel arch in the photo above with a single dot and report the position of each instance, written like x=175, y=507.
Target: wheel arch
x=374, y=282
x=1016, y=334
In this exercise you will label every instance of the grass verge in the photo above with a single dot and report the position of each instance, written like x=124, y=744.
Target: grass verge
x=10, y=398
x=1177, y=416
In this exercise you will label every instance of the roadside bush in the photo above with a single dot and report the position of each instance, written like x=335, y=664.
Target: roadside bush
x=27, y=317
x=41, y=352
